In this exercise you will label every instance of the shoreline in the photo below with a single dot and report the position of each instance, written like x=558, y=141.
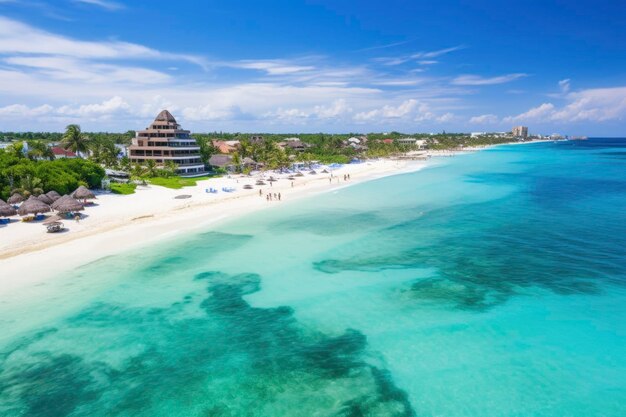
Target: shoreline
x=123, y=222
x=153, y=215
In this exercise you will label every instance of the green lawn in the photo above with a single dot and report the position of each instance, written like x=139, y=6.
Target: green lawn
x=125, y=189
x=178, y=182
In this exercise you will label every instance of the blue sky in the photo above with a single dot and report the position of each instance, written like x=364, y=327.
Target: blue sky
x=318, y=65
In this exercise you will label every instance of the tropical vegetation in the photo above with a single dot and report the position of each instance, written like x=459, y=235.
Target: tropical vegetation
x=19, y=173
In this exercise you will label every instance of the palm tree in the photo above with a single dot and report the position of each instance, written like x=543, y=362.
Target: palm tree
x=151, y=168
x=170, y=168
x=29, y=185
x=39, y=150
x=74, y=140
x=237, y=161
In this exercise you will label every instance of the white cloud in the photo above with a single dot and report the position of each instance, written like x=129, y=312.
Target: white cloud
x=478, y=80
x=597, y=105
x=564, y=86
x=425, y=57
x=336, y=109
x=272, y=67
x=64, y=68
x=108, y=5
x=592, y=105
x=20, y=110
x=106, y=108
x=412, y=110
x=536, y=113
x=388, y=112
x=20, y=39
x=484, y=119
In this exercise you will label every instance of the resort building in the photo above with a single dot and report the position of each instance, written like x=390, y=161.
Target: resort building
x=165, y=141
x=226, y=146
x=520, y=132
x=60, y=153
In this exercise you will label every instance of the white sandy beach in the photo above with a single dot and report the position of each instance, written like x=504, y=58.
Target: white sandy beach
x=118, y=223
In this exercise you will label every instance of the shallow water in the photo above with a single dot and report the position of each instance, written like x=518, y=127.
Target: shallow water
x=491, y=284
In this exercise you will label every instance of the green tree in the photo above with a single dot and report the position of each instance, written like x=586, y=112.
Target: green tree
x=125, y=164
x=151, y=168
x=74, y=140
x=29, y=185
x=39, y=150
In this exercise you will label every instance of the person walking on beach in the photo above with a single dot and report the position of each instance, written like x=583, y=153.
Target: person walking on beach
x=330, y=180
x=260, y=192
x=291, y=184
x=278, y=196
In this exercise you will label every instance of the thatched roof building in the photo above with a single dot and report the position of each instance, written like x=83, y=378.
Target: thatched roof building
x=6, y=210
x=67, y=204
x=33, y=206
x=53, y=219
x=83, y=193
x=16, y=198
x=53, y=195
x=221, y=161
x=45, y=199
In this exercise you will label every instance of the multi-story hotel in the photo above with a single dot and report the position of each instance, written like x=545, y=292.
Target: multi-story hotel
x=520, y=132
x=165, y=141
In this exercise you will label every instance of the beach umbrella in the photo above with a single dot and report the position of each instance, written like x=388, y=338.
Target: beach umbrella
x=33, y=206
x=45, y=199
x=53, y=195
x=6, y=210
x=16, y=198
x=312, y=172
x=83, y=193
x=52, y=219
x=67, y=204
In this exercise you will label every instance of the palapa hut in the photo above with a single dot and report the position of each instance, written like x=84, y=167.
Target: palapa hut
x=67, y=204
x=83, y=193
x=33, y=206
x=53, y=195
x=52, y=219
x=45, y=199
x=16, y=198
x=6, y=210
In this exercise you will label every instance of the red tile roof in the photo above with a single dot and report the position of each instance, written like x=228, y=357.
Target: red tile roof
x=57, y=151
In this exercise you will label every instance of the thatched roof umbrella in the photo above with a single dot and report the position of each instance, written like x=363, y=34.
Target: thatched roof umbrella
x=45, y=199
x=16, y=198
x=6, y=210
x=53, y=195
x=33, y=206
x=67, y=204
x=83, y=193
x=52, y=219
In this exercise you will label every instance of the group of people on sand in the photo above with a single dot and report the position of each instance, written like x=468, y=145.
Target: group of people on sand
x=271, y=196
x=346, y=177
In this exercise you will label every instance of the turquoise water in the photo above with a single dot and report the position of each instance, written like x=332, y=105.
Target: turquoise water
x=491, y=284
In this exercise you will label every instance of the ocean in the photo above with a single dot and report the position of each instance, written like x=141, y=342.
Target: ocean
x=487, y=284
